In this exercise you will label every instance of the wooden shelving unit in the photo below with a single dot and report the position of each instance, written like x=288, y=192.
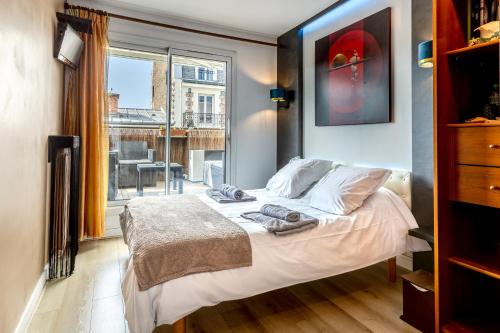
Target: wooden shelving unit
x=487, y=265
x=496, y=123
x=467, y=170
x=488, y=47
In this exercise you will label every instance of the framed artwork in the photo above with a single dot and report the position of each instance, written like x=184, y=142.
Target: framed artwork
x=353, y=73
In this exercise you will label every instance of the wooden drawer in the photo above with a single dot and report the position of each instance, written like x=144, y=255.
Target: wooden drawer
x=477, y=146
x=477, y=185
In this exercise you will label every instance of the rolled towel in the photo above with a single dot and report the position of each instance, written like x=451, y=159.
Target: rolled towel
x=221, y=198
x=231, y=192
x=280, y=212
x=282, y=227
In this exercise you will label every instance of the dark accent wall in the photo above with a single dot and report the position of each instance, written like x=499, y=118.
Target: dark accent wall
x=422, y=124
x=289, y=131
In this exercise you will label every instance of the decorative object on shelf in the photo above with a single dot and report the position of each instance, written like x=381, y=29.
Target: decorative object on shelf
x=483, y=12
x=489, y=30
x=495, y=96
x=477, y=120
x=484, y=21
x=490, y=110
x=353, y=73
x=280, y=96
x=425, y=57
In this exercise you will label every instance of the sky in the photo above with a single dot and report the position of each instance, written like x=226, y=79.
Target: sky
x=131, y=78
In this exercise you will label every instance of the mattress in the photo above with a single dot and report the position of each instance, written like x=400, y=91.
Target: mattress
x=373, y=233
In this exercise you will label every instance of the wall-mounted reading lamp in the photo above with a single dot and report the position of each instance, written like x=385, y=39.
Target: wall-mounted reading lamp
x=425, y=58
x=279, y=95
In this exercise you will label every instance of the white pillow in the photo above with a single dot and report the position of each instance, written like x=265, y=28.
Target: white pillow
x=346, y=188
x=297, y=176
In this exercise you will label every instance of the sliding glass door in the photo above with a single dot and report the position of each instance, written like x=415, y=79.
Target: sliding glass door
x=169, y=117
x=137, y=122
x=199, y=110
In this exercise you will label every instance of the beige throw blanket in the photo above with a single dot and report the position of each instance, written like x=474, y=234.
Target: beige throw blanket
x=170, y=237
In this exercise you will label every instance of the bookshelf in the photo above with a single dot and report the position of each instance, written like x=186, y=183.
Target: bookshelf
x=466, y=174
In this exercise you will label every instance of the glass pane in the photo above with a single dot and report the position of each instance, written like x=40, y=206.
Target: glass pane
x=137, y=93
x=201, y=108
x=208, y=110
x=199, y=144
x=201, y=74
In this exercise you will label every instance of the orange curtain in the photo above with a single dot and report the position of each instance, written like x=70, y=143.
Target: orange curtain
x=85, y=115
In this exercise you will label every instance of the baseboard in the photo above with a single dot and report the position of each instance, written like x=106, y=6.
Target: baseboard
x=33, y=302
x=405, y=261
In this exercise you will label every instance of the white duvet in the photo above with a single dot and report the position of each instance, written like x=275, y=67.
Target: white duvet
x=373, y=233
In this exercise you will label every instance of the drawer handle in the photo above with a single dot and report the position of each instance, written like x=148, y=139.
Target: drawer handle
x=493, y=187
x=492, y=146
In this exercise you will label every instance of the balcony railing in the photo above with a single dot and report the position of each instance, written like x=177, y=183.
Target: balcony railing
x=203, y=120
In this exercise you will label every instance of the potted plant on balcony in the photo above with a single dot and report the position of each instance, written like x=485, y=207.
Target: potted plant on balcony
x=177, y=132
x=162, y=130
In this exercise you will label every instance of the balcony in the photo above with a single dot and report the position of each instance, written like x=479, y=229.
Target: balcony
x=203, y=120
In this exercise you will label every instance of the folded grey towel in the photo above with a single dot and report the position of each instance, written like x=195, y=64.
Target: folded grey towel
x=231, y=191
x=221, y=198
x=280, y=212
x=282, y=227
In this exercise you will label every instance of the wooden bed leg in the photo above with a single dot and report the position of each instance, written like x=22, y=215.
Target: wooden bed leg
x=391, y=269
x=179, y=326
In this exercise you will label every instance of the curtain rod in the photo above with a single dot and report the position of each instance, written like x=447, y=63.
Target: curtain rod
x=170, y=26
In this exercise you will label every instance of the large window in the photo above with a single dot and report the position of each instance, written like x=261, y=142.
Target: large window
x=205, y=108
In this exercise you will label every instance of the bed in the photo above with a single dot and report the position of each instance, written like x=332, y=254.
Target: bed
x=373, y=233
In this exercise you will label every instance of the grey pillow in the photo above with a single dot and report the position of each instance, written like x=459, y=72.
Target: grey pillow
x=297, y=176
x=346, y=188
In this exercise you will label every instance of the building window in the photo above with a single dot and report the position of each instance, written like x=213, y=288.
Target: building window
x=202, y=74
x=205, y=108
x=210, y=75
x=205, y=74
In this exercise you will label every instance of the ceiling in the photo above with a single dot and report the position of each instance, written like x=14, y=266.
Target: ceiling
x=266, y=17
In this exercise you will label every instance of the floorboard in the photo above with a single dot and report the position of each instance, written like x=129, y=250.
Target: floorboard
x=91, y=301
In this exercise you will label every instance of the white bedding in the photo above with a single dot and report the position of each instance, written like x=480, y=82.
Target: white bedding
x=373, y=233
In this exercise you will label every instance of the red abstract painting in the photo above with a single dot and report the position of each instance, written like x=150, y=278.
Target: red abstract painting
x=353, y=73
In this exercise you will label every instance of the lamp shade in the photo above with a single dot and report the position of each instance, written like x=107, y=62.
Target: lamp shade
x=278, y=95
x=425, y=58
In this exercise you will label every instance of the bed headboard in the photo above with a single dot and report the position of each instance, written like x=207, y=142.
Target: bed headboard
x=400, y=183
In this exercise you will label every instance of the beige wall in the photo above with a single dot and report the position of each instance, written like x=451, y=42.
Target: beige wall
x=30, y=109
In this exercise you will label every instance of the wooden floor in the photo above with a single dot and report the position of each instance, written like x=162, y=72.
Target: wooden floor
x=91, y=301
